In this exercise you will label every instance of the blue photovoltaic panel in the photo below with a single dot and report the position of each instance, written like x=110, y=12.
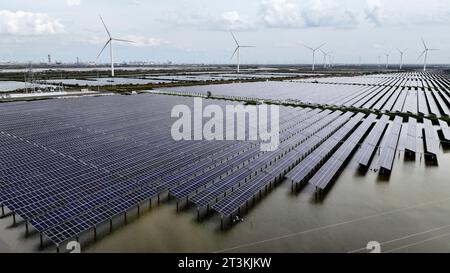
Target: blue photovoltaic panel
x=445, y=130
x=431, y=139
x=387, y=154
x=411, y=137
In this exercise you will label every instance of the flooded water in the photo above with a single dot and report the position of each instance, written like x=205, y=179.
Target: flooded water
x=406, y=213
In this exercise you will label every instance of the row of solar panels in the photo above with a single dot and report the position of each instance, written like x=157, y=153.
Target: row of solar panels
x=398, y=99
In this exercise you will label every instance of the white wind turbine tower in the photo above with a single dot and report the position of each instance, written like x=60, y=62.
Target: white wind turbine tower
x=325, y=56
x=387, y=60
x=110, y=43
x=331, y=60
x=314, y=54
x=237, y=52
x=402, y=52
x=425, y=52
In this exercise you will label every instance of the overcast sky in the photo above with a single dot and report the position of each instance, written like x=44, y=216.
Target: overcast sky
x=197, y=30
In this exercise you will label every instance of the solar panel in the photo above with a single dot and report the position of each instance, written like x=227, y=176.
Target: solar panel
x=411, y=137
x=387, y=154
x=206, y=197
x=442, y=106
x=445, y=130
x=400, y=101
x=239, y=197
x=432, y=103
x=431, y=139
x=423, y=107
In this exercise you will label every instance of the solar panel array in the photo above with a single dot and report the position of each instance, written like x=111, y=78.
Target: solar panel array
x=418, y=93
x=390, y=146
x=336, y=133
x=70, y=165
x=305, y=128
x=67, y=166
x=267, y=174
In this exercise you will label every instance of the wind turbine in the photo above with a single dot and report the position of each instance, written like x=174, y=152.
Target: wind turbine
x=325, y=55
x=110, y=43
x=425, y=52
x=387, y=59
x=237, y=51
x=332, y=62
x=401, y=56
x=314, y=53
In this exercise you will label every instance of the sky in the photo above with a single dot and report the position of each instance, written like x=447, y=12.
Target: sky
x=197, y=31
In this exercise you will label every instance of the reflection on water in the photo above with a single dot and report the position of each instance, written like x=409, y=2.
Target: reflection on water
x=407, y=212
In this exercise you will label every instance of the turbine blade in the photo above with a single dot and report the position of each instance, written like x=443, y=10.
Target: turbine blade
x=320, y=46
x=107, y=31
x=247, y=46
x=423, y=42
x=433, y=49
x=234, y=53
x=107, y=43
x=420, y=56
x=234, y=38
x=121, y=40
x=308, y=47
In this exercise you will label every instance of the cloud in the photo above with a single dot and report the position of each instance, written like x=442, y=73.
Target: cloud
x=280, y=13
x=73, y=3
x=135, y=2
x=228, y=20
x=232, y=20
x=307, y=13
x=374, y=13
x=406, y=13
x=23, y=23
x=142, y=41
